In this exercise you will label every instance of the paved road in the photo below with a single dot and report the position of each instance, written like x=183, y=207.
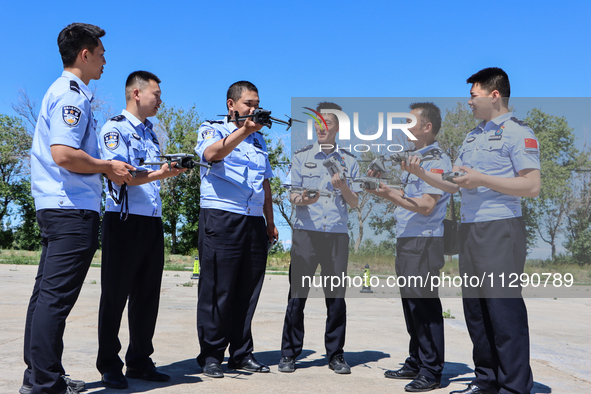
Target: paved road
x=376, y=341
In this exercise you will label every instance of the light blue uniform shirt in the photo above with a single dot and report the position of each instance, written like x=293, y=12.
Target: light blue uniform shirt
x=65, y=118
x=502, y=147
x=413, y=224
x=235, y=184
x=325, y=215
x=125, y=138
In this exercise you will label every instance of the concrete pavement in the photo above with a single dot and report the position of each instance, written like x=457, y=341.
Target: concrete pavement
x=376, y=341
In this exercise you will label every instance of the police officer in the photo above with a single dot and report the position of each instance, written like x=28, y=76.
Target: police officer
x=419, y=252
x=500, y=158
x=66, y=186
x=132, y=237
x=320, y=236
x=233, y=235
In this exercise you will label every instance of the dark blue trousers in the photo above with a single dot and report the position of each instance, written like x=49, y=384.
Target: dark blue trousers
x=331, y=252
x=496, y=317
x=420, y=256
x=69, y=239
x=131, y=268
x=232, y=257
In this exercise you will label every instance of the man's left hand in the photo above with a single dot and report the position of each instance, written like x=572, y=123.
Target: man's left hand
x=272, y=232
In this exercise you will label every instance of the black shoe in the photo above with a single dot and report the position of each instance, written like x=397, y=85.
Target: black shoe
x=403, y=373
x=422, y=383
x=339, y=365
x=286, y=364
x=25, y=389
x=114, y=380
x=151, y=374
x=250, y=365
x=77, y=385
x=213, y=370
x=472, y=389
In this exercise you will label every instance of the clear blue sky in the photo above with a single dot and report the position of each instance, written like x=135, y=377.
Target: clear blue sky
x=305, y=49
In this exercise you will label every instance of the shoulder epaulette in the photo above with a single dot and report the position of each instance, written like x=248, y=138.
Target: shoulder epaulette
x=349, y=153
x=214, y=121
x=74, y=86
x=118, y=118
x=303, y=149
x=519, y=122
x=433, y=151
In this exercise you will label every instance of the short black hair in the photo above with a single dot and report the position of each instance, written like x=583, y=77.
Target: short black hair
x=328, y=105
x=493, y=78
x=429, y=112
x=140, y=78
x=236, y=89
x=76, y=37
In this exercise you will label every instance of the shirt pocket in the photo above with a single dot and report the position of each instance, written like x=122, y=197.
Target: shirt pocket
x=137, y=152
x=260, y=159
x=466, y=155
x=310, y=179
x=495, y=155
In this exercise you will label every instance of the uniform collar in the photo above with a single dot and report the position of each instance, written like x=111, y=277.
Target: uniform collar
x=316, y=149
x=81, y=84
x=135, y=121
x=494, y=123
x=230, y=125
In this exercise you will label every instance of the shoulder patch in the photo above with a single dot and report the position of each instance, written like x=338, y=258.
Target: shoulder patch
x=519, y=122
x=348, y=153
x=303, y=149
x=71, y=115
x=207, y=134
x=118, y=118
x=111, y=139
x=74, y=86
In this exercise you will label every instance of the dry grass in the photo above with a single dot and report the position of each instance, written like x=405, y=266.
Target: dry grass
x=279, y=263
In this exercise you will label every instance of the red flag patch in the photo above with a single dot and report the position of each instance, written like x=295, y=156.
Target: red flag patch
x=437, y=170
x=531, y=143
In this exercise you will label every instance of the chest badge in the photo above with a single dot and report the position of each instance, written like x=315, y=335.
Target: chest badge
x=471, y=139
x=134, y=135
x=310, y=165
x=257, y=144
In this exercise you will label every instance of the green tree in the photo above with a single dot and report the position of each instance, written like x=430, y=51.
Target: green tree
x=27, y=235
x=578, y=225
x=177, y=132
x=279, y=163
x=558, y=156
x=457, y=122
x=15, y=144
